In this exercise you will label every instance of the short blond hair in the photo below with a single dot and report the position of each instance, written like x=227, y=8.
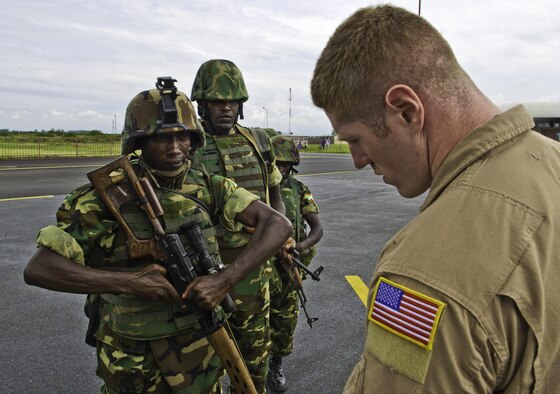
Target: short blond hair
x=376, y=48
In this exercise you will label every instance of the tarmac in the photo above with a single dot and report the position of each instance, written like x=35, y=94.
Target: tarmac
x=42, y=341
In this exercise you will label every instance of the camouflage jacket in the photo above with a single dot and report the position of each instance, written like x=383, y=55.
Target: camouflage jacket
x=299, y=202
x=89, y=234
x=246, y=159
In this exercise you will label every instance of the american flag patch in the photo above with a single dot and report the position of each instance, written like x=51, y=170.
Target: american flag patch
x=405, y=312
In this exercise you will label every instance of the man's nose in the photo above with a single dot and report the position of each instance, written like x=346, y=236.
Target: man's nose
x=173, y=144
x=227, y=105
x=360, y=160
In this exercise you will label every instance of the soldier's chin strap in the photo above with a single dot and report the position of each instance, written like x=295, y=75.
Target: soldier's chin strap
x=240, y=111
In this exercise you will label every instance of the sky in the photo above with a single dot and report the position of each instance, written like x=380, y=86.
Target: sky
x=75, y=65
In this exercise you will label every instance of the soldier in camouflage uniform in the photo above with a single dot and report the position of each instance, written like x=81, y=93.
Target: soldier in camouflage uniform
x=302, y=211
x=247, y=157
x=147, y=340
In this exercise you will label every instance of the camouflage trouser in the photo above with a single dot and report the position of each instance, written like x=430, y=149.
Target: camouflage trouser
x=284, y=310
x=250, y=323
x=180, y=364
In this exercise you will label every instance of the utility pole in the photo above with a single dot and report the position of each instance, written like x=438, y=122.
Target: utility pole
x=419, y=6
x=290, y=115
x=266, y=118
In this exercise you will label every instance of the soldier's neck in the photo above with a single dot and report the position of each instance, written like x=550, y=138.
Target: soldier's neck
x=213, y=130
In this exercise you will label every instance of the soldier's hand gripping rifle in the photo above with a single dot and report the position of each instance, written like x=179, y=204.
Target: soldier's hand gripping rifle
x=291, y=269
x=118, y=184
x=208, y=263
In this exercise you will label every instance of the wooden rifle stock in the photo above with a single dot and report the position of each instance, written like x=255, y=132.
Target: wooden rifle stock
x=116, y=184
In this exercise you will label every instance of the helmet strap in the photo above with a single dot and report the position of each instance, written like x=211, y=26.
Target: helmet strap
x=240, y=110
x=202, y=108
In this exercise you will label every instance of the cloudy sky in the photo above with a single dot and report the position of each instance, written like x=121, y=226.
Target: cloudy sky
x=75, y=65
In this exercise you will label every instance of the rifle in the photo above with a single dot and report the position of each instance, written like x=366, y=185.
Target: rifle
x=118, y=184
x=296, y=282
x=208, y=263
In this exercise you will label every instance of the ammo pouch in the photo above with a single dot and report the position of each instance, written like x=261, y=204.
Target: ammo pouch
x=264, y=145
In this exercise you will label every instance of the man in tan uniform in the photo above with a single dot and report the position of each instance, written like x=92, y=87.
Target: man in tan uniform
x=463, y=298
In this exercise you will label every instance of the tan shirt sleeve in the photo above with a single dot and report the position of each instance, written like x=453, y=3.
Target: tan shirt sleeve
x=471, y=354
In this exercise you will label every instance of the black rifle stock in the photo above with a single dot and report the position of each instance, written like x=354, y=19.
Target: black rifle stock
x=115, y=190
x=313, y=274
x=291, y=269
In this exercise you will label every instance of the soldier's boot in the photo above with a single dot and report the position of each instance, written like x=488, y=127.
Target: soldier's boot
x=276, y=379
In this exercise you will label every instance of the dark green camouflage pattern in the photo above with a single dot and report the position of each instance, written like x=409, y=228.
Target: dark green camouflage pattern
x=284, y=304
x=299, y=202
x=219, y=79
x=250, y=323
x=284, y=312
x=237, y=155
x=86, y=219
x=144, y=112
x=285, y=150
x=184, y=363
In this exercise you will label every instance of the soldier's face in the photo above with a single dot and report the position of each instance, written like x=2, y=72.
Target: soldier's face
x=223, y=115
x=284, y=167
x=167, y=152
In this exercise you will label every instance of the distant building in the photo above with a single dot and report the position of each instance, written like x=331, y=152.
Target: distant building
x=546, y=117
x=548, y=126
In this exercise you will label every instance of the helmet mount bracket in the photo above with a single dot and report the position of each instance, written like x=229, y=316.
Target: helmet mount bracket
x=168, y=91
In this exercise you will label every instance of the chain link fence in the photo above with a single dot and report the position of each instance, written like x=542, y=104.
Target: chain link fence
x=28, y=147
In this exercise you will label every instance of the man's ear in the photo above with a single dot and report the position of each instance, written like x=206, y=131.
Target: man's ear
x=404, y=107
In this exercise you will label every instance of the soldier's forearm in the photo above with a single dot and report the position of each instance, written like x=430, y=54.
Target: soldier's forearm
x=52, y=271
x=271, y=232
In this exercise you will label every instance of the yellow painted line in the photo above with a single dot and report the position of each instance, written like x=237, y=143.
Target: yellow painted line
x=26, y=198
x=48, y=168
x=359, y=287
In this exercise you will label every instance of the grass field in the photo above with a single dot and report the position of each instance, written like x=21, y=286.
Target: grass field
x=30, y=146
x=333, y=148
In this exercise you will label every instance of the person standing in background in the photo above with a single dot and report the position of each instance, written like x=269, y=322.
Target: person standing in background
x=246, y=156
x=303, y=212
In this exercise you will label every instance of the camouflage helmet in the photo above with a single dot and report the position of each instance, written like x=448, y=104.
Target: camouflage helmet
x=285, y=150
x=145, y=116
x=219, y=79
